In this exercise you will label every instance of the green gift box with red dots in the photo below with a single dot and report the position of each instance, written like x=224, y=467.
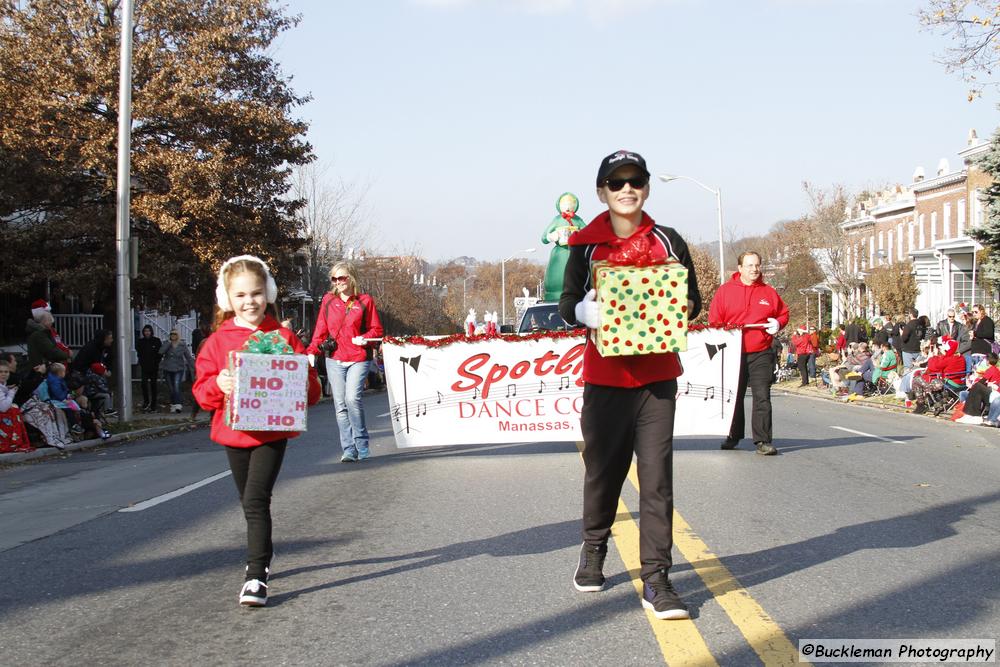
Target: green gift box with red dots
x=643, y=308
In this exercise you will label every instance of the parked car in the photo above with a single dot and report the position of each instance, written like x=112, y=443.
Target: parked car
x=542, y=317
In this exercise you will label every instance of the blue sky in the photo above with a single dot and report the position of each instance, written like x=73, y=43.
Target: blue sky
x=466, y=119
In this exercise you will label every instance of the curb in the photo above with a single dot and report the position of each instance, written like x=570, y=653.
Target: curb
x=93, y=443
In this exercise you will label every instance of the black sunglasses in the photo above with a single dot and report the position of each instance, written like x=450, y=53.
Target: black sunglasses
x=339, y=279
x=637, y=183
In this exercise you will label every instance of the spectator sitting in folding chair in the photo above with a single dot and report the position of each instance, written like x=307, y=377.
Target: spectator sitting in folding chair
x=884, y=372
x=944, y=365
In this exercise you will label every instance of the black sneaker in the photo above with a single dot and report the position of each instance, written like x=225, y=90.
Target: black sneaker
x=589, y=575
x=766, y=448
x=729, y=443
x=659, y=596
x=253, y=593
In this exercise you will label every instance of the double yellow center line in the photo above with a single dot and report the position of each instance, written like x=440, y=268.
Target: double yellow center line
x=680, y=641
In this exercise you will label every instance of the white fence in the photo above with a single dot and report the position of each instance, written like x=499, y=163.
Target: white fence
x=164, y=323
x=77, y=330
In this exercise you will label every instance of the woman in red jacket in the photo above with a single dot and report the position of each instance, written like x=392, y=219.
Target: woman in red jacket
x=244, y=292
x=345, y=328
x=803, y=343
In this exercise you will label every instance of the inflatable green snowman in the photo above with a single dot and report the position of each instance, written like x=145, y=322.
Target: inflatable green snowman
x=558, y=233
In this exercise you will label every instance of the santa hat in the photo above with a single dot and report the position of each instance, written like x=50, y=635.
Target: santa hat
x=802, y=329
x=948, y=345
x=39, y=306
x=98, y=368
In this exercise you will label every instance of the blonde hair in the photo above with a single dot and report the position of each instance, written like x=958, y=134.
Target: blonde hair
x=350, y=270
x=233, y=269
x=57, y=367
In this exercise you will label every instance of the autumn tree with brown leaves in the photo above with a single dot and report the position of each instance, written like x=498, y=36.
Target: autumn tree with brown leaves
x=213, y=140
x=893, y=287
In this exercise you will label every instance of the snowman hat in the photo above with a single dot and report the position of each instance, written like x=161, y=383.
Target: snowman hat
x=222, y=295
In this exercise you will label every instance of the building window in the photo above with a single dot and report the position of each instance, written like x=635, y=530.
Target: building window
x=961, y=287
x=871, y=251
x=909, y=237
x=961, y=217
x=899, y=242
x=977, y=208
x=933, y=226
x=946, y=223
x=923, y=239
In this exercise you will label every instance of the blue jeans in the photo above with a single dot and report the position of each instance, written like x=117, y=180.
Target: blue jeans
x=811, y=366
x=174, y=383
x=348, y=385
x=908, y=358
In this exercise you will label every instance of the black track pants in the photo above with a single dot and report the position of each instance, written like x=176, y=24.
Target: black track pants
x=255, y=470
x=616, y=423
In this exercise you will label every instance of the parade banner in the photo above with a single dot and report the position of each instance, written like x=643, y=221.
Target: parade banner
x=511, y=389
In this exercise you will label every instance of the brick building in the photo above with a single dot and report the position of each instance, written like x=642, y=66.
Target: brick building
x=926, y=222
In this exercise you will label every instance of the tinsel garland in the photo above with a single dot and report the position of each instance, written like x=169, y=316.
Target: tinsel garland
x=511, y=338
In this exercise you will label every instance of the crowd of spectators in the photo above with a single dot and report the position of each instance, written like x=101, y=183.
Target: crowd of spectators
x=951, y=365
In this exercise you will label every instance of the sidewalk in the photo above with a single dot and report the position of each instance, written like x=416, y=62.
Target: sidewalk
x=141, y=426
x=889, y=402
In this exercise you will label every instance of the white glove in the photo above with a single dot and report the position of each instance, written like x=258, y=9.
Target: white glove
x=359, y=341
x=312, y=360
x=588, y=311
x=552, y=236
x=772, y=326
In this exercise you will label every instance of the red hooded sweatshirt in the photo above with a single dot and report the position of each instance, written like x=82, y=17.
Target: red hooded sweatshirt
x=214, y=356
x=597, y=241
x=736, y=304
x=343, y=320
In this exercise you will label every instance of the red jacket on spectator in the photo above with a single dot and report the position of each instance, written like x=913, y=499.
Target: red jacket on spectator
x=803, y=344
x=951, y=367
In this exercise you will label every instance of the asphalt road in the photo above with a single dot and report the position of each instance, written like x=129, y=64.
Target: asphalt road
x=869, y=524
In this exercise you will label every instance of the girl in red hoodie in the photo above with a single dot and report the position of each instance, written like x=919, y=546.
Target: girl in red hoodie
x=243, y=294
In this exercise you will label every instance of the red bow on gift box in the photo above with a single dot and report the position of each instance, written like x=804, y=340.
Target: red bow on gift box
x=636, y=250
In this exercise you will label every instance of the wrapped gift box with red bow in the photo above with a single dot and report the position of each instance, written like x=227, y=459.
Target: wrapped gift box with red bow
x=643, y=308
x=270, y=386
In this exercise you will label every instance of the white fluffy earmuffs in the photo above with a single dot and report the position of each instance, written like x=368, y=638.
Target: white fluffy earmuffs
x=222, y=296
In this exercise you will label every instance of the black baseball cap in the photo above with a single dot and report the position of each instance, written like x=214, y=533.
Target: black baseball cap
x=619, y=159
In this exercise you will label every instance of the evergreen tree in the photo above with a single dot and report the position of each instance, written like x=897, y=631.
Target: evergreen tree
x=989, y=233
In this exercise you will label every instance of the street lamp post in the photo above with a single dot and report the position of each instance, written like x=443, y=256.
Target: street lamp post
x=124, y=327
x=666, y=178
x=503, y=283
x=464, y=283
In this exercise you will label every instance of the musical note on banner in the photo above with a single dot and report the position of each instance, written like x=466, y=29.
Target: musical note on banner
x=709, y=393
x=688, y=389
x=395, y=411
x=511, y=390
x=541, y=386
x=439, y=397
x=421, y=409
x=475, y=393
x=564, y=382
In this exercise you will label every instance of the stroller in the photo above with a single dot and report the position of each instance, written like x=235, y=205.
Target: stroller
x=944, y=395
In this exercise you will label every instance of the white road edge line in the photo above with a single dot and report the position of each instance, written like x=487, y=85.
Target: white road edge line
x=869, y=435
x=146, y=504
x=384, y=414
